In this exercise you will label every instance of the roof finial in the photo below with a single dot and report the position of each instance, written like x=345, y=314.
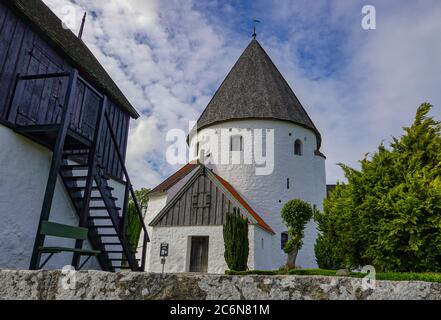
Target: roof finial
x=80, y=34
x=255, y=21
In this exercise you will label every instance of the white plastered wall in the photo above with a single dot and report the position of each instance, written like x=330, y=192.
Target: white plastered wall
x=24, y=168
x=179, y=240
x=155, y=204
x=268, y=193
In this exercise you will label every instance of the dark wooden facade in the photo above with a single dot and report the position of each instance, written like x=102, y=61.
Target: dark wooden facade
x=25, y=51
x=201, y=203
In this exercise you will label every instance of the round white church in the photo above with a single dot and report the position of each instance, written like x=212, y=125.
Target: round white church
x=254, y=148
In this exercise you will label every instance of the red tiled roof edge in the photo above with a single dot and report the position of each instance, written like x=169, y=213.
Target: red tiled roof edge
x=245, y=204
x=175, y=178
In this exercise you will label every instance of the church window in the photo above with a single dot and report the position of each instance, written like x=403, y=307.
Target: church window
x=287, y=183
x=196, y=150
x=236, y=143
x=263, y=244
x=298, y=148
x=283, y=239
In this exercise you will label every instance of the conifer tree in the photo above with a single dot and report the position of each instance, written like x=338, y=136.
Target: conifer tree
x=236, y=241
x=388, y=214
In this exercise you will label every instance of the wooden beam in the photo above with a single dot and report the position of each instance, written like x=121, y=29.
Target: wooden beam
x=55, y=167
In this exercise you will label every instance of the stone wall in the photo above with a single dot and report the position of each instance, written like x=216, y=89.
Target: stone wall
x=103, y=286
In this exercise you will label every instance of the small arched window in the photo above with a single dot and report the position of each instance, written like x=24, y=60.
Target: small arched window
x=298, y=147
x=196, y=150
x=236, y=143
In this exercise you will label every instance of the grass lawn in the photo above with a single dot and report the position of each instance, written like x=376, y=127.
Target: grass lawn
x=394, y=276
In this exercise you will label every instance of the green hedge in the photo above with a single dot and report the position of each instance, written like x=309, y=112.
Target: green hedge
x=391, y=276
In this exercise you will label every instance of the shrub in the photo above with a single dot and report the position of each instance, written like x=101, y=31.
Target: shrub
x=236, y=241
x=388, y=214
x=296, y=214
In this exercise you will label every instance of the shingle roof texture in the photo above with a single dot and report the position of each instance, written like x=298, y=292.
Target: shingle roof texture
x=255, y=89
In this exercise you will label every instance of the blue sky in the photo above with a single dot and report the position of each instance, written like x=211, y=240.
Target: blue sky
x=359, y=87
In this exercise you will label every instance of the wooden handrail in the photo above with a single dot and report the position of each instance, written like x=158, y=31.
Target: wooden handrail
x=129, y=186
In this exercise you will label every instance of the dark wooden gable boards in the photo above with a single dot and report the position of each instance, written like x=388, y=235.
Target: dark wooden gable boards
x=202, y=201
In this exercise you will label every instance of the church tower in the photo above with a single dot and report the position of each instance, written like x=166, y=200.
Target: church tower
x=254, y=148
x=256, y=106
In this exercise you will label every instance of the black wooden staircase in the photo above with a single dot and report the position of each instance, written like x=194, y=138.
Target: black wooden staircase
x=76, y=159
x=105, y=220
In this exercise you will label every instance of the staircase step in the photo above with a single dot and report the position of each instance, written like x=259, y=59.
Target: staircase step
x=83, y=188
x=76, y=178
x=114, y=251
x=103, y=208
x=93, y=188
x=108, y=235
x=75, y=167
x=111, y=243
x=95, y=198
x=79, y=154
x=111, y=259
x=99, y=218
x=102, y=227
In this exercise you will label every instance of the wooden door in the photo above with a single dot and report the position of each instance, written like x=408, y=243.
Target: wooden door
x=199, y=254
x=40, y=101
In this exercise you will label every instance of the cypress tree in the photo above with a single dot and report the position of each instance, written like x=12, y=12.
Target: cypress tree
x=236, y=241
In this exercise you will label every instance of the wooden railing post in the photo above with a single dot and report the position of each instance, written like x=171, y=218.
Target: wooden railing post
x=91, y=165
x=54, y=168
x=144, y=250
x=125, y=212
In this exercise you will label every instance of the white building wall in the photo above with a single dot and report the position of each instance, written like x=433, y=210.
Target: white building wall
x=268, y=193
x=263, y=246
x=179, y=240
x=23, y=176
x=155, y=204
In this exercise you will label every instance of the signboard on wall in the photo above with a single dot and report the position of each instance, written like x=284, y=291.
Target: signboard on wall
x=164, y=250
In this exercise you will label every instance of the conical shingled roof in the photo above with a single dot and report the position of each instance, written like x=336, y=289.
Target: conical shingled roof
x=255, y=89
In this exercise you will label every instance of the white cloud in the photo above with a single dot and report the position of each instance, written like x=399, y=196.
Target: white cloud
x=383, y=77
x=169, y=56
x=165, y=56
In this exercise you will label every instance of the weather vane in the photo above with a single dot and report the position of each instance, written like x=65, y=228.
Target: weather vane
x=255, y=21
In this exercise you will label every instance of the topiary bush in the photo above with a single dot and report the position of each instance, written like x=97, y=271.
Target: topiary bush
x=296, y=214
x=236, y=241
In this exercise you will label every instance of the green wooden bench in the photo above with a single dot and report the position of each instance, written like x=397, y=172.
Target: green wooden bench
x=68, y=232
